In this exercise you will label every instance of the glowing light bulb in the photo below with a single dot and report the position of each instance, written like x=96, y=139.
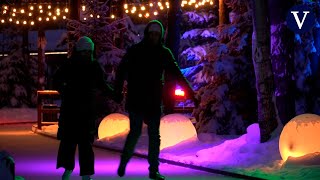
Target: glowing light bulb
x=40, y=19
x=159, y=4
x=17, y=22
x=2, y=21
x=31, y=7
x=132, y=11
x=4, y=11
x=143, y=8
x=58, y=10
x=196, y=6
x=32, y=23
x=140, y=15
x=98, y=16
x=49, y=6
x=125, y=6
x=5, y=7
x=147, y=14
x=54, y=17
x=134, y=8
x=64, y=17
x=112, y=16
x=211, y=2
x=14, y=10
x=24, y=22
x=127, y=11
x=22, y=11
x=155, y=13
x=47, y=19
x=83, y=8
x=58, y=13
x=151, y=4
x=10, y=19
x=66, y=10
x=84, y=19
x=40, y=7
x=30, y=14
x=49, y=13
x=91, y=15
x=13, y=14
x=167, y=3
x=161, y=7
x=41, y=11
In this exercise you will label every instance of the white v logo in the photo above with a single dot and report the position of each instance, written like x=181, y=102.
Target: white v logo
x=295, y=14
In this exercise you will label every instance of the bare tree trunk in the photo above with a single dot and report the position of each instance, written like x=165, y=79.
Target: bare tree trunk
x=41, y=58
x=263, y=69
x=173, y=43
x=282, y=55
x=223, y=14
x=75, y=15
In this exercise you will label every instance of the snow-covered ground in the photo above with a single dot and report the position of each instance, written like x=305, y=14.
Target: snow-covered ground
x=241, y=154
x=17, y=115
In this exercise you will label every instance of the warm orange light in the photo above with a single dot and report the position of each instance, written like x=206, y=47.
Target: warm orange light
x=2, y=21
x=175, y=128
x=31, y=8
x=179, y=92
x=140, y=15
x=113, y=125
x=143, y=8
x=24, y=22
x=298, y=136
x=32, y=23
x=125, y=6
x=49, y=13
x=30, y=14
x=112, y=16
x=49, y=7
x=64, y=17
x=40, y=19
x=66, y=10
x=41, y=11
x=47, y=19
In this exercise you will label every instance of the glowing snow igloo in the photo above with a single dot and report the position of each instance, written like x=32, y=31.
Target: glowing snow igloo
x=175, y=128
x=300, y=136
x=114, y=125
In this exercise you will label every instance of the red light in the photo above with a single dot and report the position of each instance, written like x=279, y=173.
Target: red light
x=179, y=92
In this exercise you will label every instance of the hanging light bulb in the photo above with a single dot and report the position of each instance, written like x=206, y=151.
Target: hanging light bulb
x=112, y=16
x=30, y=14
x=147, y=14
x=40, y=7
x=134, y=8
x=47, y=19
x=54, y=17
x=13, y=14
x=151, y=4
x=143, y=8
x=161, y=7
x=14, y=10
x=22, y=11
x=196, y=6
x=91, y=15
x=32, y=23
x=49, y=6
x=58, y=13
x=10, y=19
x=125, y=6
x=140, y=15
x=159, y=4
x=84, y=19
x=49, y=13
x=58, y=10
x=83, y=8
x=211, y=2
x=41, y=11
x=40, y=19
x=132, y=11
x=31, y=8
x=2, y=21
x=167, y=3
x=66, y=10
x=24, y=22
x=17, y=22
x=98, y=16
x=155, y=13
x=4, y=11
x=64, y=17
x=127, y=11
x=5, y=7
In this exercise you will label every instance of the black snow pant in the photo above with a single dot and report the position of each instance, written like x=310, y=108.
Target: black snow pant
x=66, y=156
x=136, y=122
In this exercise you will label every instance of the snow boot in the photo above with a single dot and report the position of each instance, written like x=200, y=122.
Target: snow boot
x=156, y=176
x=86, y=177
x=122, y=169
x=66, y=175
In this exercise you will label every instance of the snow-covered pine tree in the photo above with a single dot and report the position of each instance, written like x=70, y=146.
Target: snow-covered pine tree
x=217, y=60
x=17, y=85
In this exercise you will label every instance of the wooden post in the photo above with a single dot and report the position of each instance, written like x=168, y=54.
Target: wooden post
x=41, y=57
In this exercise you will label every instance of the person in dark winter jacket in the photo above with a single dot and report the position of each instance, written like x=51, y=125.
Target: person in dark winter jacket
x=77, y=81
x=143, y=67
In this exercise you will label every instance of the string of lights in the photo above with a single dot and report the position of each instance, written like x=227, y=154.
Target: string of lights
x=33, y=13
